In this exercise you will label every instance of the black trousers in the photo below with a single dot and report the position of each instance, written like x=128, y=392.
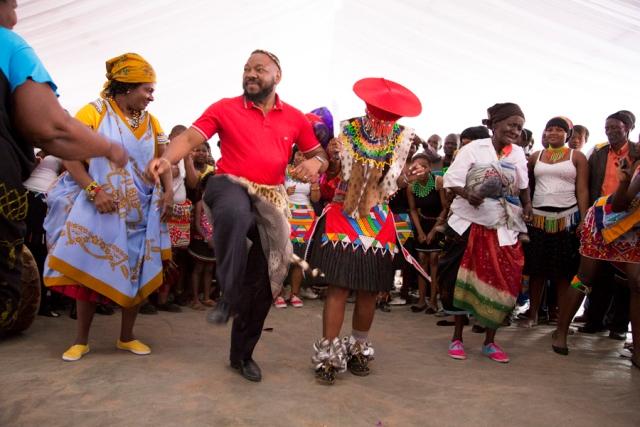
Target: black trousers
x=609, y=302
x=241, y=271
x=448, y=266
x=35, y=240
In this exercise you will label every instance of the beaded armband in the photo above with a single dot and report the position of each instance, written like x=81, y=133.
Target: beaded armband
x=92, y=190
x=577, y=284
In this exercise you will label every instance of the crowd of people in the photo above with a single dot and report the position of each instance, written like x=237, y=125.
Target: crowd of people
x=118, y=214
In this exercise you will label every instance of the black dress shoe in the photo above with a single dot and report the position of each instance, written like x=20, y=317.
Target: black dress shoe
x=564, y=351
x=220, y=314
x=248, y=369
x=620, y=336
x=590, y=329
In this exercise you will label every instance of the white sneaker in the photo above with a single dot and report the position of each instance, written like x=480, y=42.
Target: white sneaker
x=397, y=301
x=307, y=293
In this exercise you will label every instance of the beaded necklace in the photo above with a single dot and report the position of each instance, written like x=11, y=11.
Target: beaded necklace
x=135, y=119
x=376, y=151
x=556, y=154
x=421, y=190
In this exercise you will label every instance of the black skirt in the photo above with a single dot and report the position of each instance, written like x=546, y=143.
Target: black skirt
x=435, y=245
x=552, y=255
x=200, y=250
x=349, y=267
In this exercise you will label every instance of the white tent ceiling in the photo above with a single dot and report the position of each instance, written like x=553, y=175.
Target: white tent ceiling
x=576, y=58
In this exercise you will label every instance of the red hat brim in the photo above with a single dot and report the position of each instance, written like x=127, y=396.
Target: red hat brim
x=388, y=96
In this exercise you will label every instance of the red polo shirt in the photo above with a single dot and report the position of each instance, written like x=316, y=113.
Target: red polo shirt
x=255, y=145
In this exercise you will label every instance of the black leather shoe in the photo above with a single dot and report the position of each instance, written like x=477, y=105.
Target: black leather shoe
x=564, y=351
x=620, y=336
x=590, y=329
x=248, y=369
x=220, y=314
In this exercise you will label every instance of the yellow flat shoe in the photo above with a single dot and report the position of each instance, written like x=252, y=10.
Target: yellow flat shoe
x=75, y=352
x=135, y=347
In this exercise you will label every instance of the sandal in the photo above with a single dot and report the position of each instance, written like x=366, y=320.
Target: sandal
x=430, y=310
x=208, y=302
x=196, y=305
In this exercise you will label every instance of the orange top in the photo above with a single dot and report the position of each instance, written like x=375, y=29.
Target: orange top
x=610, y=182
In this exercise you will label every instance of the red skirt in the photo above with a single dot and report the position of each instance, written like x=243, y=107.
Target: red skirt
x=82, y=293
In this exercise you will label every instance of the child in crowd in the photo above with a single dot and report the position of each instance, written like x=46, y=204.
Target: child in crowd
x=201, y=250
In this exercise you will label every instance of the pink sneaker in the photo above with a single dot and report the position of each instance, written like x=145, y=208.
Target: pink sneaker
x=280, y=303
x=295, y=301
x=494, y=352
x=456, y=350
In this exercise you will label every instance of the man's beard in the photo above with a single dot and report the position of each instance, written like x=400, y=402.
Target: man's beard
x=260, y=96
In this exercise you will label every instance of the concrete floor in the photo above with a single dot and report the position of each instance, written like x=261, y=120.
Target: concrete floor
x=187, y=381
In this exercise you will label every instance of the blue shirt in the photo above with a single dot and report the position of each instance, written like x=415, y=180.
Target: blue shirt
x=18, y=61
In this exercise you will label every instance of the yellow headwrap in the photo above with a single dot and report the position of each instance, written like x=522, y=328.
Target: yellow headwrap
x=128, y=68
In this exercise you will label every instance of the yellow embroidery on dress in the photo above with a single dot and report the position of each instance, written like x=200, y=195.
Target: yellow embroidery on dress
x=124, y=194
x=135, y=272
x=13, y=204
x=95, y=246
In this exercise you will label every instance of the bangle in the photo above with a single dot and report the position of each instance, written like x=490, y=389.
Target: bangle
x=320, y=159
x=92, y=190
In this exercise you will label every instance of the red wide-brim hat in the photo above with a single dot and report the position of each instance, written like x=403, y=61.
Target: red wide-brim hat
x=388, y=96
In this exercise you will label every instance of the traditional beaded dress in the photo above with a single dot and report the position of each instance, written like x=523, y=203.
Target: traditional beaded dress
x=355, y=239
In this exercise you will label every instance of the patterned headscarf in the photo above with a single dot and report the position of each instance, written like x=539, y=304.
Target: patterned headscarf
x=128, y=68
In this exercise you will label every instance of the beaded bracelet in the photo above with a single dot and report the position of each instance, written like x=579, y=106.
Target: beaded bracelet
x=92, y=190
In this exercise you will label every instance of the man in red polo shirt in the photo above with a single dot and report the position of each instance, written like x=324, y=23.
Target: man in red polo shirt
x=257, y=131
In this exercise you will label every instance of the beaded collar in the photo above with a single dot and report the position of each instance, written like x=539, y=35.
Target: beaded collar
x=377, y=152
x=423, y=190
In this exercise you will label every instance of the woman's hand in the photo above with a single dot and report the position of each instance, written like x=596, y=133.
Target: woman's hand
x=166, y=206
x=333, y=149
x=105, y=202
x=473, y=198
x=422, y=238
x=431, y=236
